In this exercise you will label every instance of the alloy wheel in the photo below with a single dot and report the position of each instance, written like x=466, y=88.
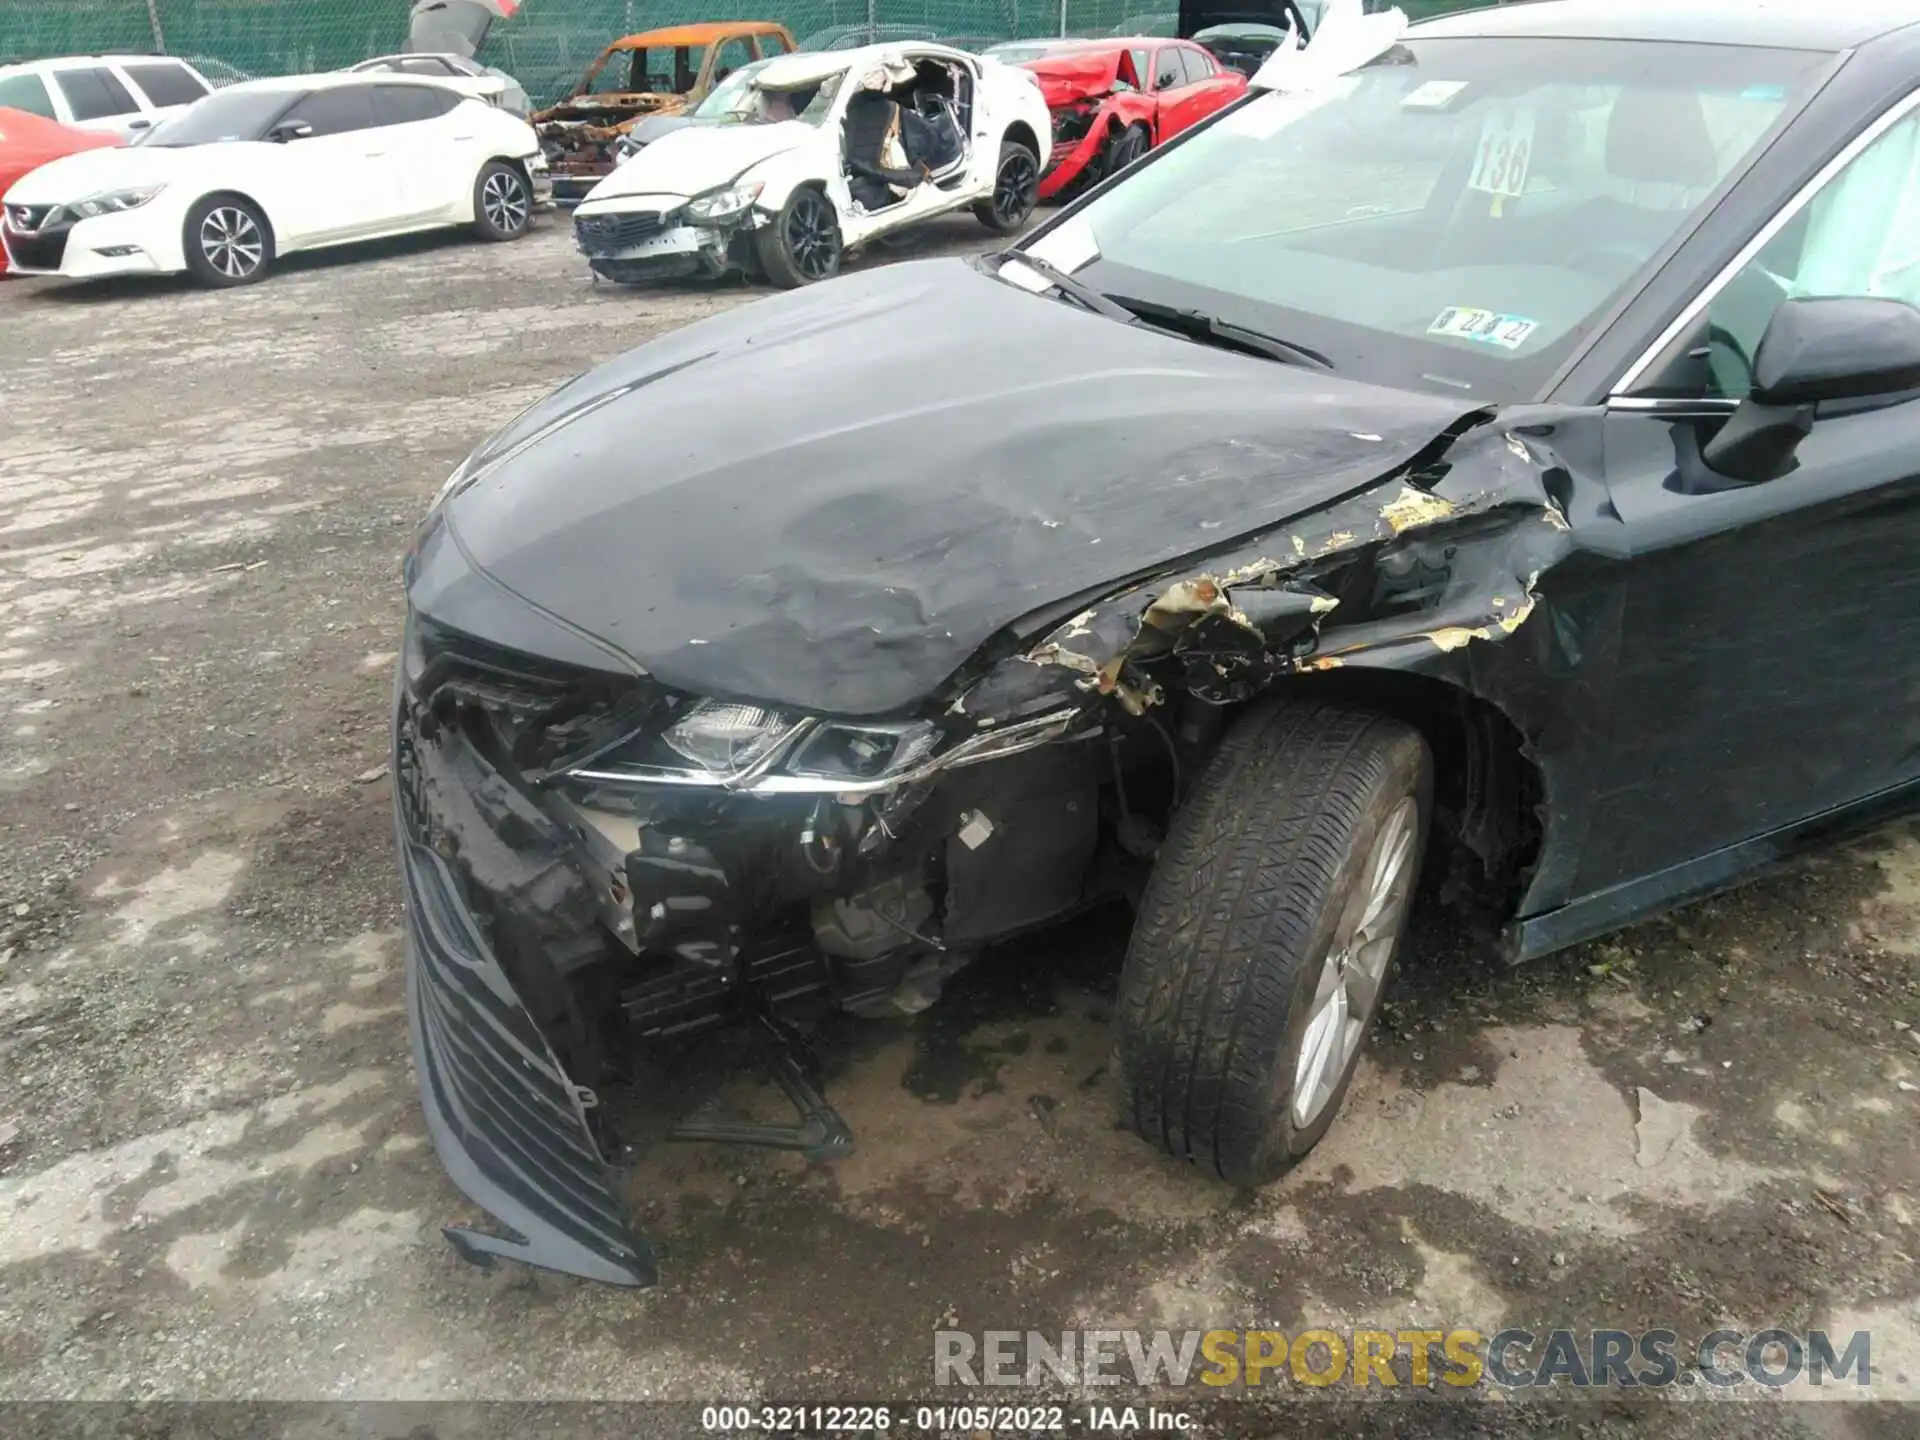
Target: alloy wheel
x=813, y=236
x=232, y=242
x=1014, y=188
x=1356, y=964
x=503, y=199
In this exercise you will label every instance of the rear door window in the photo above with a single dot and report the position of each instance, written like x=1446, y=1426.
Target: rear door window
x=404, y=104
x=95, y=94
x=165, y=84
x=28, y=93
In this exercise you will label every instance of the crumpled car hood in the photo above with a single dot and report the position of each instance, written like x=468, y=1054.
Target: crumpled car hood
x=832, y=499
x=1066, y=78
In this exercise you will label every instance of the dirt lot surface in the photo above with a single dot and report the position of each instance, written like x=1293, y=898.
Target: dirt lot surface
x=214, y=1180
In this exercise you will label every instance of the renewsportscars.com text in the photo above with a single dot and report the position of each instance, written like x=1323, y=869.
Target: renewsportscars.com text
x=1514, y=1359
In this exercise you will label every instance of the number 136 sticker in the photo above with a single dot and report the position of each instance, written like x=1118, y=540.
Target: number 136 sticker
x=1506, y=149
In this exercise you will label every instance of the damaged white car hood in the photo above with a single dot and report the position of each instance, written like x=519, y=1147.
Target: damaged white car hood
x=689, y=162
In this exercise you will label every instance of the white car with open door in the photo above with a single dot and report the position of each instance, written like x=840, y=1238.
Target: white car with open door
x=265, y=168
x=820, y=154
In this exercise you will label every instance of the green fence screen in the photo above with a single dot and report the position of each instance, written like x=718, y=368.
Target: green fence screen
x=548, y=43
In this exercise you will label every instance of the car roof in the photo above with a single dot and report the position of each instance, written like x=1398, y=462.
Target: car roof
x=327, y=80
x=1829, y=25
x=810, y=65
x=674, y=36
x=90, y=60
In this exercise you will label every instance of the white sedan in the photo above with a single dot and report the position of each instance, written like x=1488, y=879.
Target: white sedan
x=819, y=154
x=268, y=167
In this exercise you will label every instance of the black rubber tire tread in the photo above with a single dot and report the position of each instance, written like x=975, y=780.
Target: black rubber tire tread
x=984, y=211
x=199, y=267
x=485, y=229
x=1242, y=900
x=776, y=261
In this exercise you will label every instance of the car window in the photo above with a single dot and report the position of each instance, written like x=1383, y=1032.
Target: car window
x=733, y=54
x=1141, y=71
x=1452, y=218
x=663, y=71
x=224, y=116
x=165, y=84
x=1168, y=73
x=772, y=44
x=1197, y=66
x=94, y=94
x=404, y=104
x=1860, y=236
x=27, y=92
x=336, y=111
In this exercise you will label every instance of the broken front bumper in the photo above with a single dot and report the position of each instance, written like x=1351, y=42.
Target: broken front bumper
x=509, y=1125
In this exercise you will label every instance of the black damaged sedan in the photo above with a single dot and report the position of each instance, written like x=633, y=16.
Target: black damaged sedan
x=1493, y=472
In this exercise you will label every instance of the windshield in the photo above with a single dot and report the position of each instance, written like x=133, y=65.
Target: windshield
x=1454, y=216
x=743, y=100
x=222, y=116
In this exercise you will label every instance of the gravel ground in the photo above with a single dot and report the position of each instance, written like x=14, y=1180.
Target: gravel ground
x=214, y=1181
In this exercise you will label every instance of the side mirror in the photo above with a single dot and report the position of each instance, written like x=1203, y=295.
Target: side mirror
x=289, y=130
x=1840, y=348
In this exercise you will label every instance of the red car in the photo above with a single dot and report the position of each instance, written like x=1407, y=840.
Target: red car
x=1113, y=100
x=28, y=141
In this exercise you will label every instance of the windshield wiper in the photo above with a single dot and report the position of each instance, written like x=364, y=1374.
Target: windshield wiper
x=1081, y=294
x=1208, y=329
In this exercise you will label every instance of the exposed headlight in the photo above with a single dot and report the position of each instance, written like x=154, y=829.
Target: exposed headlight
x=864, y=752
x=111, y=202
x=724, y=204
x=724, y=738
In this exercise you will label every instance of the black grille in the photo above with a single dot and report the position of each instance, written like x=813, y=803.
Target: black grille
x=604, y=234
x=502, y=1113
x=38, y=252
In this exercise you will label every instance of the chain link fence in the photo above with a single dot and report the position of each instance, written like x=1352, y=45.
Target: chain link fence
x=548, y=42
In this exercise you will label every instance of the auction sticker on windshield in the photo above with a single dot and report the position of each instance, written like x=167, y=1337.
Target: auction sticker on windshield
x=1485, y=327
x=1506, y=151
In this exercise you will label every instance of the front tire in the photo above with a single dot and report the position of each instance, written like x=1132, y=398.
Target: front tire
x=502, y=202
x=1016, y=189
x=802, y=244
x=1267, y=935
x=227, y=242
x=1128, y=146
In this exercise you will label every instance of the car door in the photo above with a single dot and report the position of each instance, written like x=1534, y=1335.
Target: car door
x=338, y=182
x=97, y=100
x=1210, y=86
x=1769, y=656
x=427, y=150
x=167, y=86
x=1169, y=79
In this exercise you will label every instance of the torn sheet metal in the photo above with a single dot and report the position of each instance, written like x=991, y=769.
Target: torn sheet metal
x=1391, y=576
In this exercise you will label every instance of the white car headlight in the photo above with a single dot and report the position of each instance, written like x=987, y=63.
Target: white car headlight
x=111, y=202
x=724, y=204
x=724, y=738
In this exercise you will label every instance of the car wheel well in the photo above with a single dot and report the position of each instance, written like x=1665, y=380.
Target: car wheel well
x=1489, y=795
x=245, y=199
x=1019, y=133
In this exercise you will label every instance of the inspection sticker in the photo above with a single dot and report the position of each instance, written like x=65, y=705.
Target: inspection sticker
x=1460, y=322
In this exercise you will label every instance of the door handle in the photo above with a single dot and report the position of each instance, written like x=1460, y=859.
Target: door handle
x=458, y=138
